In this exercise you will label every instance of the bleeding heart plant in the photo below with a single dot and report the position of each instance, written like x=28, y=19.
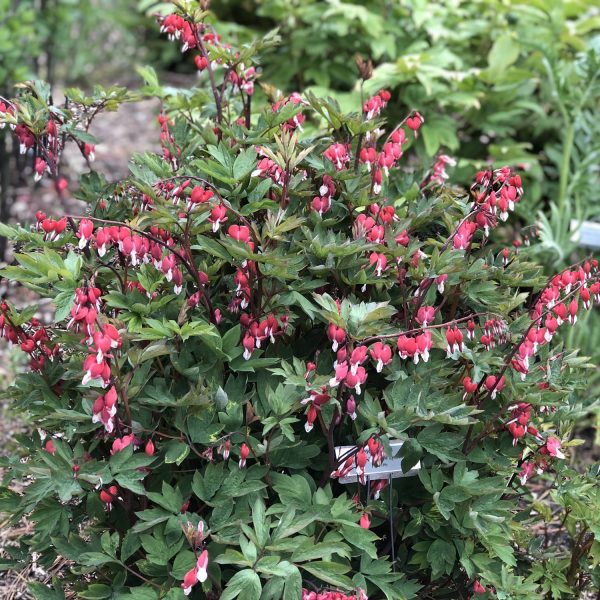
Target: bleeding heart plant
x=272, y=285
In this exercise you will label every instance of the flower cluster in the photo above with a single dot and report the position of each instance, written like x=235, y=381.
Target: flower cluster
x=267, y=167
x=374, y=105
x=494, y=194
x=556, y=305
x=297, y=120
x=46, y=143
x=33, y=338
x=258, y=333
x=196, y=575
x=379, y=163
x=333, y=595
x=51, y=228
x=109, y=495
x=438, y=175
x=322, y=203
x=104, y=409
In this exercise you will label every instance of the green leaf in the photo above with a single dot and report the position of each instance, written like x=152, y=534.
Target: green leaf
x=330, y=572
x=183, y=562
x=176, y=452
x=170, y=499
x=441, y=556
x=246, y=581
x=261, y=527
x=43, y=592
x=293, y=585
x=96, y=559
x=244, y=164
x=97, y=591
x=504, y=52
x=293, y=491
x=361, y=538
x=131, y=543
x=441, y=443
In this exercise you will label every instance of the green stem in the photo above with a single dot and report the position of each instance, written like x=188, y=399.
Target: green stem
x=565, y=168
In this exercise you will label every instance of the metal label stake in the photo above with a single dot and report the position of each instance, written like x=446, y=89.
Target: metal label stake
x=390, y=468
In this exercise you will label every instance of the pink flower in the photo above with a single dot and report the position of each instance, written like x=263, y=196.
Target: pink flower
x=104, y=409
x=552, y=448
x=311, y=417
x=95, y=370
x=471, y=330
x=189, y=581
x=373, y=106
x=377, y=180
x=338, y=155
x=355, y=380
x=402, y=238
x=337, y=336
x=454, y=337
x=527, y=470
x=376, y=235
x=122, y=443
x=321, y=205
x=327, y=188
x=361, y=460
x=438, y=174
x=86, y=230
x=573, y=308
x=39, y=168
x=201, y=566
x=248, y=342
x=494, y=385
x=382, y=354
x=351, y=408
x=368, y=156
x=517, y=431
x=359, y=355
x=340, y=374
x=462, y=239
x=407, y=347
x=584, y=294
x=424, y=343
x=470, y=386
x=425, y=315
x=89, y=151
x=199, y=195
x=149, y=449
x=415, y=121
x=318, y=398
x=109, y=496
x=365, y=521
x=376, y=451
x=244, y=452
x=241, y=233
x=440, y=282
x=218, y=216
x=379, y=261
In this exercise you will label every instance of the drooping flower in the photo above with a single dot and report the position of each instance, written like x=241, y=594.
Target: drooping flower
x=244, y=452
x=338, y=155
x=381, y=354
